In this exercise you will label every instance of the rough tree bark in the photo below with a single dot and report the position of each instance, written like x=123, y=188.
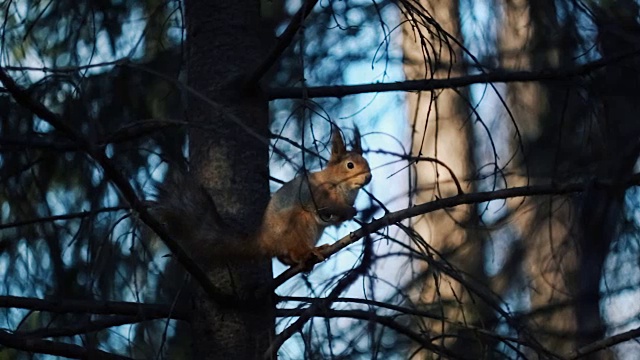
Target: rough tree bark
x=223, y=41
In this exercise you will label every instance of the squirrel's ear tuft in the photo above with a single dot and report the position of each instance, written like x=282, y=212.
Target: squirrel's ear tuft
x=357, y=144
x=338, y=149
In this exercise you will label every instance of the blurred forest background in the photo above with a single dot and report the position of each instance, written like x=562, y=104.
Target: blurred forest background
x=503, y=217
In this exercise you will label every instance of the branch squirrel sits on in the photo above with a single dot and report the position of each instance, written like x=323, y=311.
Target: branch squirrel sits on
x=293, y=222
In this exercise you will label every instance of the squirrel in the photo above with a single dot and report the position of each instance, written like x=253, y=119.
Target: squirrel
x=293, y=221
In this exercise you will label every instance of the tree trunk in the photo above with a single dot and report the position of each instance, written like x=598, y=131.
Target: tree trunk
x=543, y=223
x=567, y=238
x=603, y=209
x=441, y=130
x=223, y=41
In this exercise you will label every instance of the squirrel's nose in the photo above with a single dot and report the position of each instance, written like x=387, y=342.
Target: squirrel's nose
x=367, y=179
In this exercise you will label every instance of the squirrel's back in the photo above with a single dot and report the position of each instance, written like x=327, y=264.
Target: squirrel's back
x=290, y=227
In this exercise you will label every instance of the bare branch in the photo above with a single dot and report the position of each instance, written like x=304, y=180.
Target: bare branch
x=139, y=129
x=605, y=343
x=439, y=204
x=131, y=131
x=384, y=305
x=68, y=69
x=77, y=215
x=85, y=327
x=283, y=43
x=437, y=84
x=11, y=143
x=55, y=348
x=63, y=306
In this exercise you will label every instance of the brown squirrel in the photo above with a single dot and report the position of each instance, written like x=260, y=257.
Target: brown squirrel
x=293, y=222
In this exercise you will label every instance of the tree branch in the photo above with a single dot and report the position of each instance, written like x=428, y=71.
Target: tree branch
x=403, y=310
x=85, y=327
x=77, y=215
x=340, y=91
x=68, y=69
x=128, y=132
x=9, y=143
x=439, y=204
x=55, y=348
x=605, y=343
x=138, y=129
x=63, y=306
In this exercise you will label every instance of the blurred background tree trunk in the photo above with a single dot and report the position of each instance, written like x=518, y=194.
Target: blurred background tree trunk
x=441, y=129
x=531, y=38
x=604, y=210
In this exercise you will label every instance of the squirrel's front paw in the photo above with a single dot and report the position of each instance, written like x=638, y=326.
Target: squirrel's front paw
x=315, y=256
x=317, y=252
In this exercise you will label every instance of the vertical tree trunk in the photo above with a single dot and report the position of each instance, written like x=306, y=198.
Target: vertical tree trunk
x=441, y=130
x=544, y=224
x=223, y=41
x=603, y=208
x=567, y=239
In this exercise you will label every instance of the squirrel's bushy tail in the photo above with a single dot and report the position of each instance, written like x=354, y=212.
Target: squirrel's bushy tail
x=191, y=217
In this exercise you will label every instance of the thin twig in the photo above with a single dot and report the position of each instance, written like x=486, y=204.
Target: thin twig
x=283, y=43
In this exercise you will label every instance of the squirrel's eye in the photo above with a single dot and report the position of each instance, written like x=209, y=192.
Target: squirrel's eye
x=350, y=165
